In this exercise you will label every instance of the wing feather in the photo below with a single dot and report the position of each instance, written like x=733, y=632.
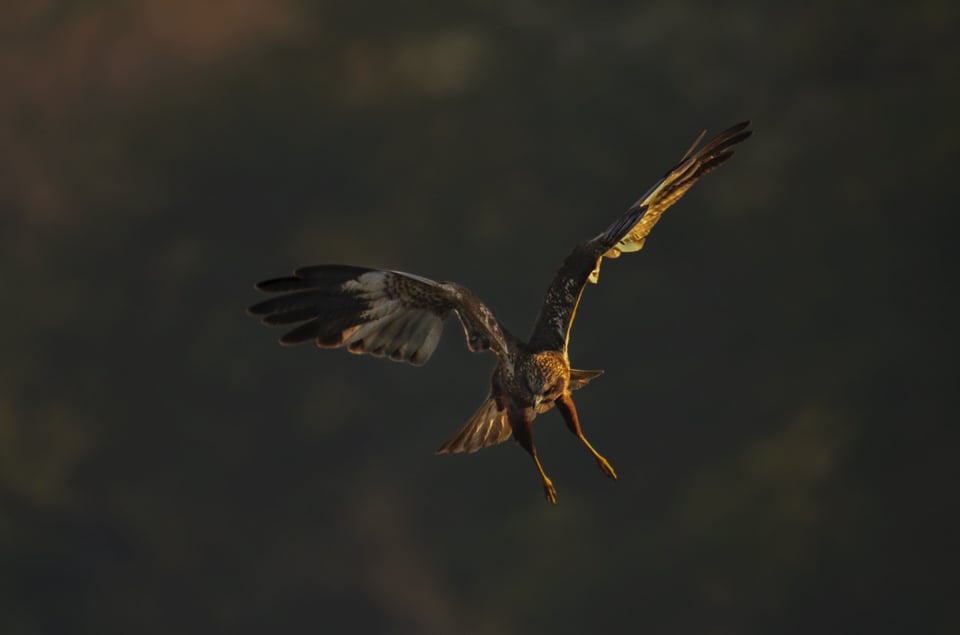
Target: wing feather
x=627, y=234
x=381, y=313
x=675, y=183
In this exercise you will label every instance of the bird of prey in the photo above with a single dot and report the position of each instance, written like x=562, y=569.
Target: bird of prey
x=401, y=315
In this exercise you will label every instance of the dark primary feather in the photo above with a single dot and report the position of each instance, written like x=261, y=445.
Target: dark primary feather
x=675, y=183
x=552, y=329
x=383, y=313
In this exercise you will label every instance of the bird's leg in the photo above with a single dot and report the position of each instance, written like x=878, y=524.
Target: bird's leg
x=569, y=411
x=522, y=424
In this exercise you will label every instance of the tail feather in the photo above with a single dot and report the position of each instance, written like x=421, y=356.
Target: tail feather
x=488, y=426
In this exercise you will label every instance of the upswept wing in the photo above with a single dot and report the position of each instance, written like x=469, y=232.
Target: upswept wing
x=552, y=329
x=675, y=183
x=627, y=234
x=382, y=313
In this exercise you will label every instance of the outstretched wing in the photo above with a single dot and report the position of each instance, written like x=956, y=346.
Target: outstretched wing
x=552, y=330
x=383, y=313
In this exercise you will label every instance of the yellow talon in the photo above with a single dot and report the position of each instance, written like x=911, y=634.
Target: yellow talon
x=606, y=467
x=550, y=491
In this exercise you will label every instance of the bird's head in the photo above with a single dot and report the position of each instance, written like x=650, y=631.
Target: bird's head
x=545, y=382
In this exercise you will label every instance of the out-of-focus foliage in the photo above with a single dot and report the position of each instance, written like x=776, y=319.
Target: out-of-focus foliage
x=784, y=432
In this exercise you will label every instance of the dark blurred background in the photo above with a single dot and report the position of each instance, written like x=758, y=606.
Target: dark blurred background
x=780, y=399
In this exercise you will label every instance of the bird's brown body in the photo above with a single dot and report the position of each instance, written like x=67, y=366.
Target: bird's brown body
x=400, y=315
x=534, y=383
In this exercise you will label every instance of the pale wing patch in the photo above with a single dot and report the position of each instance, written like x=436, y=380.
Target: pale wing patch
x=369, y=285
x=367, y=311
x=403, y=334
x=392, y=328
x=382, y=313
x=414, y=276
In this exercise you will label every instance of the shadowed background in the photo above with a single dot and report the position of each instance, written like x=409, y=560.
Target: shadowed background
x=780, y=396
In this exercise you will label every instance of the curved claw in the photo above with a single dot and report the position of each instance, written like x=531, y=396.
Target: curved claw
x=550, y=491
x=606, y=467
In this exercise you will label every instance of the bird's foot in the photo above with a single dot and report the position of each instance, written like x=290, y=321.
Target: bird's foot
x=550, y=491
x=606, y=467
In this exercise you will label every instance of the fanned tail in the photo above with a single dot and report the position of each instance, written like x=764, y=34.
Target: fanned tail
x=488, y=426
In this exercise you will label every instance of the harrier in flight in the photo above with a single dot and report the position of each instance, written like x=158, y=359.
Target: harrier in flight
x=401, y=315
